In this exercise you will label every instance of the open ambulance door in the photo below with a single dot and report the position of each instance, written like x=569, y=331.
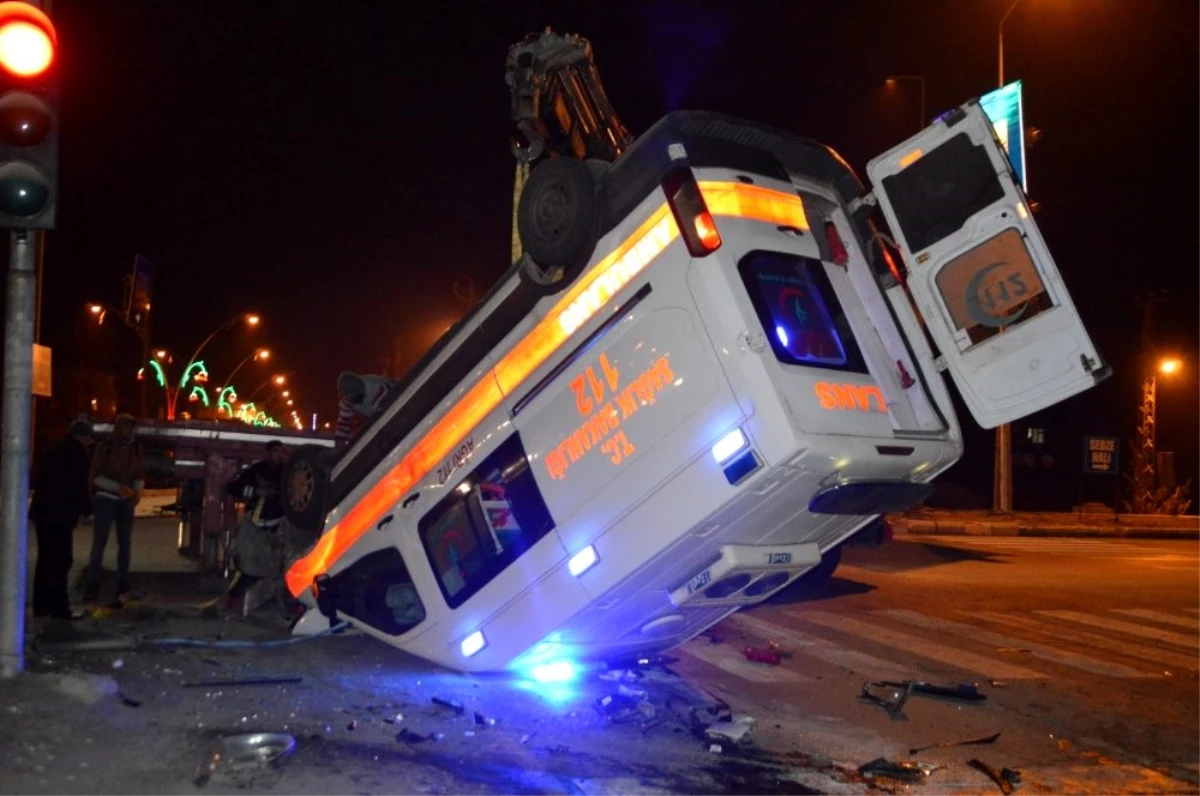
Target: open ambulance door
x=980, y=273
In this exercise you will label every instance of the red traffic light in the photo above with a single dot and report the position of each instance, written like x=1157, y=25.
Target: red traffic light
x=27, y=39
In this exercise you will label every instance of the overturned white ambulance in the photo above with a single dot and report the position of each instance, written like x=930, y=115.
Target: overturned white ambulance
x=708, y=371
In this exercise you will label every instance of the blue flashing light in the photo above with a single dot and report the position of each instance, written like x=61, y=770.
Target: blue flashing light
x=555, y=672
x=781, y=333
x=473, y=643
x=728, y=445
x=582, y=561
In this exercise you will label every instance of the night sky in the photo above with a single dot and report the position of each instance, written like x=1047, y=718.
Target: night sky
x=336, y=166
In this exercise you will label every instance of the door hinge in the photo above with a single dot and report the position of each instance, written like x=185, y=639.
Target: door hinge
x=869, y=199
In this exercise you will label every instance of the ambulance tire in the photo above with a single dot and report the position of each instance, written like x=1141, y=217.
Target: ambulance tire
x=557, y=218
x=306, y=487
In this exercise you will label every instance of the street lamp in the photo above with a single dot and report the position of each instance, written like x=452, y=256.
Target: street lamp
x=1145, y=457
x=279, y=379
x=893, y=80
x=99, y=311
x=248, y=318
x=1001, y=38
x=258, y=355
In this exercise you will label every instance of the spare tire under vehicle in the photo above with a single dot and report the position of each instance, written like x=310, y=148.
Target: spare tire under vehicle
x=557, y=219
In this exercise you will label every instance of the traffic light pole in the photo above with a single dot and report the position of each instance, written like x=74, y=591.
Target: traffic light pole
x=14, y=448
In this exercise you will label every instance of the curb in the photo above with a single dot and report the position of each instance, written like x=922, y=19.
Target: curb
x=903, y=526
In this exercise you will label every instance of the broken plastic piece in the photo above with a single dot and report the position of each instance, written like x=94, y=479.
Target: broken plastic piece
x=246, y=681
x=990, y=738
x=894, y=709
x=963, y=692
x=457, y=707
x=902, y=770
x=734, y=730
x=769, y=656
x=240, y=758
x=408, y=736
x=1006, y=785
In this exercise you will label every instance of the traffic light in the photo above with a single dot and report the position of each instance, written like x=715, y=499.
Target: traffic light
x=28, y=117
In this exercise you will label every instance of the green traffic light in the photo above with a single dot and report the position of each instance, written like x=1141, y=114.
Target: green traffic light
x=24, y=191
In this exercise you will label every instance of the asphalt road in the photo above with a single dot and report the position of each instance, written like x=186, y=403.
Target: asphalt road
x=1086, y=650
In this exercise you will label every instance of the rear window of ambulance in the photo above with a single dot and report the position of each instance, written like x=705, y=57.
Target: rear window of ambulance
x=799, y=311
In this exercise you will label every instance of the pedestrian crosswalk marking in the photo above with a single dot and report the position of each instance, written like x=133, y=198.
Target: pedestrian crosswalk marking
x=1159, y=616
x=1122, y=646
x=731, y=660
x=1167, y=636
x=1038, y=650
x=961, y=659
x=853, y=660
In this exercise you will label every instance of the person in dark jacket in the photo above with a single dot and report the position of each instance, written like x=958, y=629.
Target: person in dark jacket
x=60, y=497
x=117, y=479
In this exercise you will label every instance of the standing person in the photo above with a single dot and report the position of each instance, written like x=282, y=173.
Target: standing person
x=117, y=479
x=60, y=497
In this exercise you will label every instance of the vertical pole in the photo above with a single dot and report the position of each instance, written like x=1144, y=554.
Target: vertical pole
x=14, y=448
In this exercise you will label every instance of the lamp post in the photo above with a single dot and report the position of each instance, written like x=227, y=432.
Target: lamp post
x=893, y=80
x=99, y=311
x=1000, y=38
x=279, y=379
x=1002, y=498
x=249, y=318
x=258, y=355
x=1145, y=456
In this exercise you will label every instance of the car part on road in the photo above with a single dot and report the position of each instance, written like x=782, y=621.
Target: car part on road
x=457, y=707
x=894, y=709
x=770, y=655
x=990, y=738
x=1008, y=779
x=244, y=681
x=902, y=770
x=242, y=758
x=963, y=692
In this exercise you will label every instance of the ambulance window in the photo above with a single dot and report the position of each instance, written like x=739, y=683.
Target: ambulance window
x=490, y=518
x=800, y=311
x=935, y=196
x=377, y=590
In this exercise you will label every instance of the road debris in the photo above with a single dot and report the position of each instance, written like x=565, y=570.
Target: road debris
x=619, y=709
x=1008, y=779
x=484, y=721
x=972, y=742
x=733, y=730
x=457, y=707
x=894, y=709
x=901, y=770
x=408, y=736
x=963, y=692
x=244, y=681
x=240, y=759
x=769, y=655
x=128, y=700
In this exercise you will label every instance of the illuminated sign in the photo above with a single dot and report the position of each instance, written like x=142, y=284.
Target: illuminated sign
x=1100, y=455
x=852, y=397
x=601, y=427
x=1004, y=110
